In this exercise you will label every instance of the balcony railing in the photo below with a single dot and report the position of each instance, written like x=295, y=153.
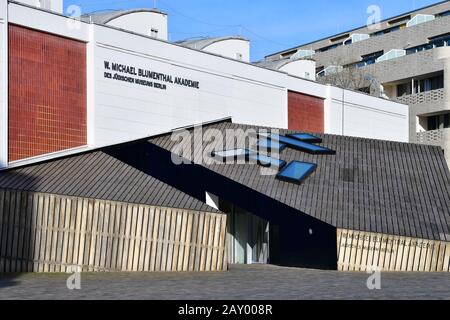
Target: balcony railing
x=434, y=137
x=423, y=97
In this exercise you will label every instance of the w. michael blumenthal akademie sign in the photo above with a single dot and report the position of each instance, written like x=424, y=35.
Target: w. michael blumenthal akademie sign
x=144, y=77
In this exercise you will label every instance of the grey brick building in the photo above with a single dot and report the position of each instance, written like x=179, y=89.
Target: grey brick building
x=404, y=58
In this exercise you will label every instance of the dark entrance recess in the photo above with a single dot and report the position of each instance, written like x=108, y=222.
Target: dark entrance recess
x=296, y=239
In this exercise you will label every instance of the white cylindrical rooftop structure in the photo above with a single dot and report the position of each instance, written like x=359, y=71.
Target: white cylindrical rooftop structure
x=303, y=68
x=234, y=47
x=150, y=22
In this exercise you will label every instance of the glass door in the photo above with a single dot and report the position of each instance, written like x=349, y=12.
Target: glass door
x=248, y=236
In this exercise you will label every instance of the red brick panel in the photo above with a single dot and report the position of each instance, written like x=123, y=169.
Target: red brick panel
x=305, y=113
x=47, y=93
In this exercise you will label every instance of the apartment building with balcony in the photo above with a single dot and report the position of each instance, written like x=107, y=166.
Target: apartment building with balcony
x=405, y=58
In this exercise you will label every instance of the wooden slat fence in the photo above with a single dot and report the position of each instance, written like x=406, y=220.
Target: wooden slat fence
x=49, y=233
x=360, y=251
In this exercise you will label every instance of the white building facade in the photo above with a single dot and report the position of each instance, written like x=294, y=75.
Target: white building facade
x=132, y=85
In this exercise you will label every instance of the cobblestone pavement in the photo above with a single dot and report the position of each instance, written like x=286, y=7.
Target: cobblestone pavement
x=241, y=282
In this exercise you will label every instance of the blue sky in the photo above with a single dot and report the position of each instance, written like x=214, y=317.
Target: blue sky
x=270, y=25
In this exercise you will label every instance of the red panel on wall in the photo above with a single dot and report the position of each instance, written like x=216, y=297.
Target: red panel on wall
x=306, y=113
x=47, y=93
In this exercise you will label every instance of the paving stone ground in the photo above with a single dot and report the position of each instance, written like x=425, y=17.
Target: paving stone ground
x=253, y=282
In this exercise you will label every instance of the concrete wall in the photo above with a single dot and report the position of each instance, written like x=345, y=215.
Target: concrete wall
x=352, y=114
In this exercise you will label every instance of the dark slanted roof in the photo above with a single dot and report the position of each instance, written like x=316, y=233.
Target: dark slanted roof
x=98, y=175
x=369, y=185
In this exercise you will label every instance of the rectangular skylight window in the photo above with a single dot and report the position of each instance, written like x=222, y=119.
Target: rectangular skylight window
x=300, y=145
x=306, y=137
x=231, y=154
x=268, y=161
x=267, y=144
x=296, y=171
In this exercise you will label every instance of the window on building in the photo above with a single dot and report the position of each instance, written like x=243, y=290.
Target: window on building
x=334, y=46
x=437, y=122
x=419, y=48
x=154, y=33
x=369, y=59
x=441, y=40
x=404, y=89
x=389, y=30
x=434, y=42
x=429, y=84
x=444, y=14
x=433, y=123
x=403, y=19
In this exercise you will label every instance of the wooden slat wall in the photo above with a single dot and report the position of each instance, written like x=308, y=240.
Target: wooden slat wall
x=359, y=251
x=48, y=233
